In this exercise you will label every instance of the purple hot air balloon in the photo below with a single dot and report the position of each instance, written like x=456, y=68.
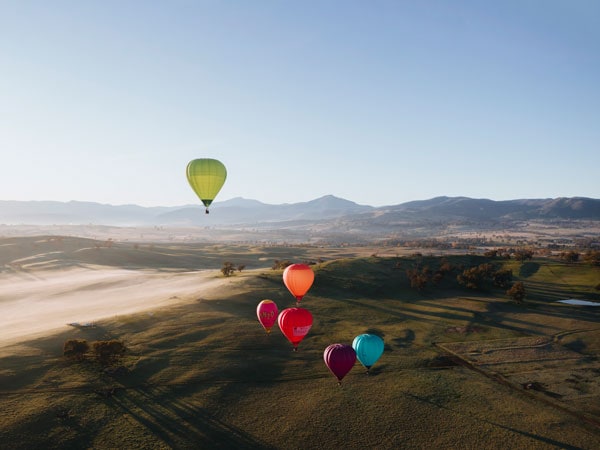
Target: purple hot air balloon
x=339, y=358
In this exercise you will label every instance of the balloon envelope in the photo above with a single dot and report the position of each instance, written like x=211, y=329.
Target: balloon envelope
x=298, y=278
x=369, y=348
x=339, y=358
x=267, y=314
x=295, y=323
x=206, y=177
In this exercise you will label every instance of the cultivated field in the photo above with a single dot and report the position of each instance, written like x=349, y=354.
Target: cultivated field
x=461, y=368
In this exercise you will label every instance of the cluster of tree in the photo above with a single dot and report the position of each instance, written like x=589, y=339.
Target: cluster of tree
x=420, y=277
x=475, y=277
x=570, y=256
x=229, y=268
x=106, y=244
x=282, y=264
x=520, y=254
x=419, y=243
x=591, y=257
x=589, y=243
x=105, y=352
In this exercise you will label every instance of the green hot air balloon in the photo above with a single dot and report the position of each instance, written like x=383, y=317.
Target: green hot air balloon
x=206, y=177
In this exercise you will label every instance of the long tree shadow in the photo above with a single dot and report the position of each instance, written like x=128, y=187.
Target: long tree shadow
x=181, y=424
x=528, y=269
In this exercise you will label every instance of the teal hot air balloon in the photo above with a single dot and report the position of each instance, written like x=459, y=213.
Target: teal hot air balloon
x=368, y=348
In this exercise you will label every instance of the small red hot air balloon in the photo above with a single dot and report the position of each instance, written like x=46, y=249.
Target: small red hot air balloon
x=339, y=358
x=295, y=323
x=298, y=278
x=266, y=312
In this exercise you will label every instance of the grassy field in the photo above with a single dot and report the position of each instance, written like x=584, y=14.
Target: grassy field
x=461, y=368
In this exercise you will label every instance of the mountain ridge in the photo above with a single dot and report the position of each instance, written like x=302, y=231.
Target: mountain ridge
x=327, y=209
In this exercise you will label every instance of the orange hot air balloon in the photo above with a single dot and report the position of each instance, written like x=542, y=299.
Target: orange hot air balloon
x=267, y=314
x=295, y=323
x=298, y=278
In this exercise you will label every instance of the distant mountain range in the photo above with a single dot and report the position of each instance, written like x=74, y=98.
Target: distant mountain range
x=326, y=212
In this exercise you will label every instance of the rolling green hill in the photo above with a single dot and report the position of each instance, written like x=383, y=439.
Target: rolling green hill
x=203, y=374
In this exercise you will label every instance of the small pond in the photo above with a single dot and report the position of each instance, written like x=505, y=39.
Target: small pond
x=574, y=301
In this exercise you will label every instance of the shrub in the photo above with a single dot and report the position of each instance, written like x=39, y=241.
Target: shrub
x=75, y=349
x=108, y=352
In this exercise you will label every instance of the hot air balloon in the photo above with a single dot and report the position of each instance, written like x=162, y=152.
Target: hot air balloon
x=295, y=323
x=339, y=358
x=206, y=177
x=267, y=314
x=368, y=348
x=298, y=278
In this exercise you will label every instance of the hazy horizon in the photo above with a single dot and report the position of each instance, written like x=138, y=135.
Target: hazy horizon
x=241, y=198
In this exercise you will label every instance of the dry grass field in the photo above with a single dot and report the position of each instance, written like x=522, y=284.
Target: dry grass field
x=461, y=369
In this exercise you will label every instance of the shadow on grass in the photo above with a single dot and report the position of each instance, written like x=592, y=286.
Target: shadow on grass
x=528, y=269
x=405, y=341
x=532, y=436
x=181, y=424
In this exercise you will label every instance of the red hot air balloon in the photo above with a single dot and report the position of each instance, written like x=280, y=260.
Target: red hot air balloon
x=298, y=278
x=295, y=323
x=266, y=312
x=339, y=358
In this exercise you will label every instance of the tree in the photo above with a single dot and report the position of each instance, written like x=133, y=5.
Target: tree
x=502, y=277
x=227, y=269
x=522, y=254
x=241, y=267
x=517, y=292
x=470, y=278
x=571, y=256
x=418, y=278
x=592, y=257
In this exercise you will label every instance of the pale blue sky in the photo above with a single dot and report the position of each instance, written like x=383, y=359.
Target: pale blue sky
x=378, y=102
